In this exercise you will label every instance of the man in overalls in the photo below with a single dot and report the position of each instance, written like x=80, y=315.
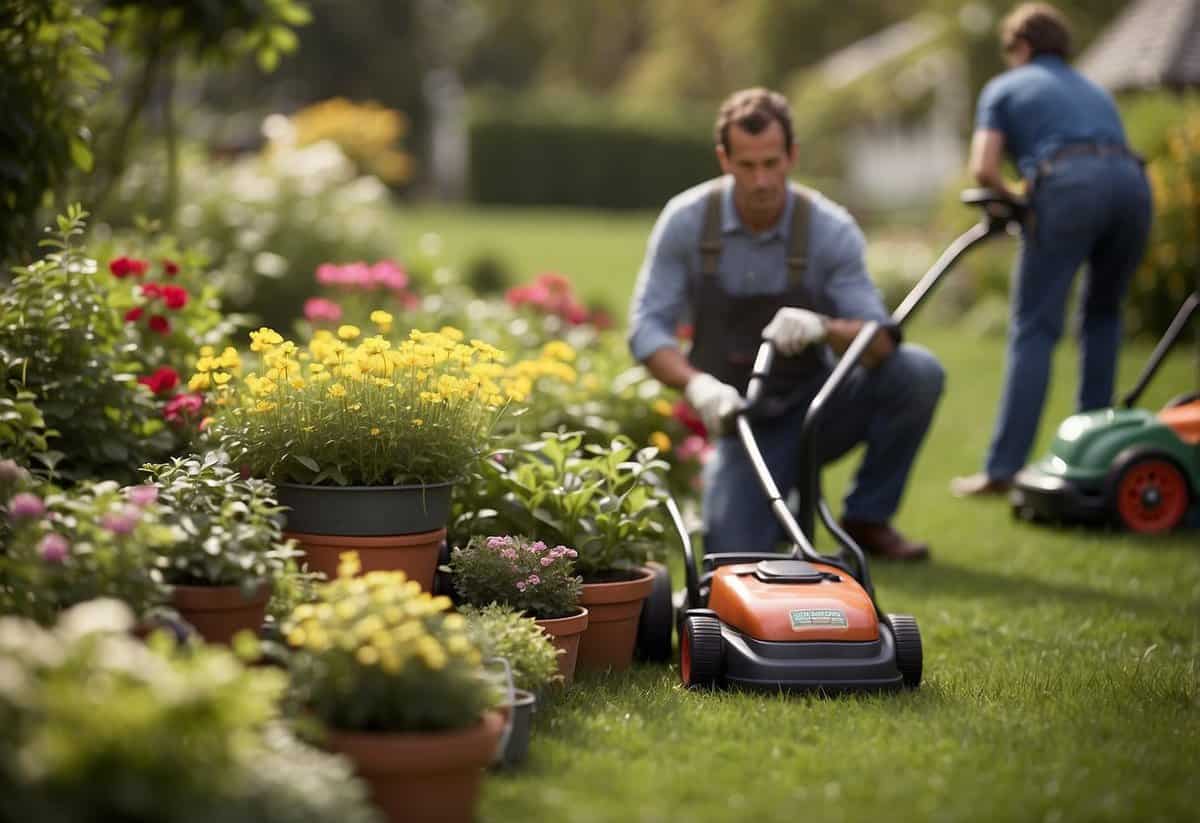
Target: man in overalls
x=750, y=256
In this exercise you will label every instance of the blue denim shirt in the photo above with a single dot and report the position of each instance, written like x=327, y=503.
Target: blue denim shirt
x=1044, y=105
x=750, y=264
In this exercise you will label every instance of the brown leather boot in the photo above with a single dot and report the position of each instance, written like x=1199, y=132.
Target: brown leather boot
x=881, y=540
x=979, y=485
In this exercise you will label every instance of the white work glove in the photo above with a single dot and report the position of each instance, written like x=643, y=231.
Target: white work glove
x=792, y=329
x=713, y=400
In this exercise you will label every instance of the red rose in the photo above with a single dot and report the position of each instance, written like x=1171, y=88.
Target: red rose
x=119, y=267
x=175, y=296
x=162, y=381
x=134, y=314
x=160, y=324
x=170, y=267
x=152, y=291
x=138, y=267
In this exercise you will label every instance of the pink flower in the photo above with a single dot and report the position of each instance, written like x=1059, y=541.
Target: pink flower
x=533, y=580
x=122, y=523
x=388, y=274
x=571, y=553
x=499, y=542
x=318, y=310
x=142, y=495
x=327, y=274
x=26, y=506
x=183, y=407
x=537, y=547
x=546, y=561
x=509, y=554
x=691, y=448
x=520, y=585
x=54, y=548
x=10, y=472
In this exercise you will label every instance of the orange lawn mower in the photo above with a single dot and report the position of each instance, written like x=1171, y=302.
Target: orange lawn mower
x=808, y=621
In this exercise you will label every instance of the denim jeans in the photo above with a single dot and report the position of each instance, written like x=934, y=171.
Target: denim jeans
x=888, y=407
x=1088, y=209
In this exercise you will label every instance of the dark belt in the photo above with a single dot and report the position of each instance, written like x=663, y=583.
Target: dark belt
x=1089, y=149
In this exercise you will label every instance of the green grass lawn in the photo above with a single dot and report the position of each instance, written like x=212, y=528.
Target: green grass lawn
x=1061, y=671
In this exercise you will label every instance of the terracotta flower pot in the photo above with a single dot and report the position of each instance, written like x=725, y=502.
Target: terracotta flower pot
x=393, y=528
x=414, y=554
x=613, y=612
x=565, y=633
x=219, y=612
x=423, y=776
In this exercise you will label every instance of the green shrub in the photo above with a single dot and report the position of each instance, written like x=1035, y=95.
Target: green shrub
x=97, y=726
x=568, y=154
x=62, y=341
x=502, y=632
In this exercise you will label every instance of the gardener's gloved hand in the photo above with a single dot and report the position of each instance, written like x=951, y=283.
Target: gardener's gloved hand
x=713, y=400
x=792, y=329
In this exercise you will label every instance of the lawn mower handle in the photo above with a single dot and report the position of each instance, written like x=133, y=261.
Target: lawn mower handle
x=1178, y=324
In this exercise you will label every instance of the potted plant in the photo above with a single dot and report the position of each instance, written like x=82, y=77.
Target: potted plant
x=362, y=438
x=94, y=540
x=529, y=577
x=400, y=686
x=605, y=501
x=532, y=658
x=92, y=721
x=231, y=549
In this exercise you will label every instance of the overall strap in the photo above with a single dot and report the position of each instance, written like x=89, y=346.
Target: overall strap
x=710, y=238
x=797, y=259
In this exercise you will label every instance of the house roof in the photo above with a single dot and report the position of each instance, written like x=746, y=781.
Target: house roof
x=1152, y=44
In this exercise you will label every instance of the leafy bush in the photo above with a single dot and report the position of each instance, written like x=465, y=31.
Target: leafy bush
x=376, y=653
x=230, y=526
x=97, y=726
x=502, y=632
x=1171, y=268
x=523, y=575
x=49, y=59
x=95, y=540
x=568, y=153
x=604, y=501
x=63, y=343
x=268, y=220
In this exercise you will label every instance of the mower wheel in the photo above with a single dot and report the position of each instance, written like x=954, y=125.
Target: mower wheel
x=1151, y=495
x=657, y=623
x=909, y=657
x=701, y=652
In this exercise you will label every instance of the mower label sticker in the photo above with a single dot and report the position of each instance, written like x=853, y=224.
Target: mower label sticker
x=807, y=618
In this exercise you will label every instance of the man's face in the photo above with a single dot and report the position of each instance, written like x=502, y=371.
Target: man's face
x=760, y=165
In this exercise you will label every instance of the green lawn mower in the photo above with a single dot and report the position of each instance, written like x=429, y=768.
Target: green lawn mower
x=1137, y=468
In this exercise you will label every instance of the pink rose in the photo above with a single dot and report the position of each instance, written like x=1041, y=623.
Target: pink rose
x=318, y=310
x=54, y=548
x=520, y=585
x=533, y=580
x=143, y=495
x=26, y=506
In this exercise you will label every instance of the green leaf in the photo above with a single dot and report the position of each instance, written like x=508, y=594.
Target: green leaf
x=81, y=155
x=307, y=462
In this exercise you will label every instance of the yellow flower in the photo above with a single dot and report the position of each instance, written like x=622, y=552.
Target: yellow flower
x=296, y=382
x=315, y=368
x=296, y=637
x=368, y=655
x=264, y=339
x=418, y=422
x=660, y=441
x=337, y=390
x=348, y=332
x=381, y=318
x=207, y=351
x=376, y=431
x=199, y=382
x=348, y=565
x=264, y=406
x=662, y=408
x=221, y=378
x=558, y=350
x=229, y=358
x=205, y=364
x=451, y=333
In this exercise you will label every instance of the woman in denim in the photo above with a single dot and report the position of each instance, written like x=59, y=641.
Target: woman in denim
x=1090, y=204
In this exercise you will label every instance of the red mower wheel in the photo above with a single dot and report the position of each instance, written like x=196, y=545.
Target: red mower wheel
x=701, y=652
x=1151, y=495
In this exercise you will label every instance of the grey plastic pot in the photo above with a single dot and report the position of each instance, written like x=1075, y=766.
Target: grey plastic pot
x=365, y=511
x=516, y=746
